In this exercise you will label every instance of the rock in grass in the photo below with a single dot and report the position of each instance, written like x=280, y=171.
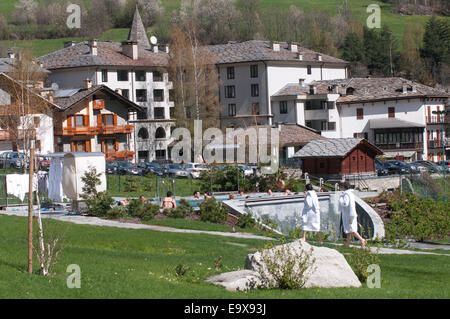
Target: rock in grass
x=330, y=269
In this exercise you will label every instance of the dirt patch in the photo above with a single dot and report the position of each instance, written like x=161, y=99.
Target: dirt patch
x=160, y=216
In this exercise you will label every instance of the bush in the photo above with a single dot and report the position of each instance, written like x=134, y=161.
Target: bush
x=99, y=205
x=416, y=218
x=246, y=221
x=212, y=211
x=142, y=210
x=286, y=267
x=360, y=259
x=116, y=213
x=183, y=210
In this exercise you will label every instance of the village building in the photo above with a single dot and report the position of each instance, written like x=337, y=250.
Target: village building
x=251, y=72
x=95, y=119
x=395, y=114
x=136, y=69
x=339, y=157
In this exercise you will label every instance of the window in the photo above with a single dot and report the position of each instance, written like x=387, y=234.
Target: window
x=391, y=112
x=230, y=72
x=37, y=121
x=158, y=95
x=283, y=107
x=255, y=109
x=231, y=109
x=255, y=90
x=327, y=126
x=157, y=76
x=104, y=75
x=159, y=113
x=126, y=93
x=359, y=114
x=254, y=71
x=171, y=95
x=122, y=75
x=79, y=120
x=141, y=76
x=160, y=154
x=141, y=95
x=79, y=146
x=308, y=105
x=230, y=91
x=330, y=105
x=109, y=146
x=160, y=133
x=108, y=119
x=143, y=133
x=308, y=69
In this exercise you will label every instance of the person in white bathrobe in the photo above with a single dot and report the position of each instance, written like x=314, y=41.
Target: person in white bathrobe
x=347, y=207
x=311, y=213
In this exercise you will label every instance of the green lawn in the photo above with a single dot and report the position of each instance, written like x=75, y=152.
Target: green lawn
x=123, y=263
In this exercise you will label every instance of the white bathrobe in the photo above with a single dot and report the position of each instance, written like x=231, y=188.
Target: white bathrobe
x=311, y=212
x=348, y=210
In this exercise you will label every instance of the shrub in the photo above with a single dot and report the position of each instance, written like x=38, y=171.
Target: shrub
x=99, y=205
x=142, y=210
x=116, y=213
x=246, y=221
x=286, y=267
x=212, y=211
x=360, y=259
x=416, y=218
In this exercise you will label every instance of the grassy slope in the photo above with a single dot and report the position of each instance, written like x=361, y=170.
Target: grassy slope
x=358, y=8
x=121, y=263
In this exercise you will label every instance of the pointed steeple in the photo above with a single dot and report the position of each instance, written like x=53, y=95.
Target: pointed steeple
x=137, y=31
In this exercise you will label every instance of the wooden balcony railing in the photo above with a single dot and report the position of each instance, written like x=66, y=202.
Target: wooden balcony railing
x=435, y=119
x=120, y=155
x=95, y=130
x=435, y=144
x=402, y=146
x=98, y=104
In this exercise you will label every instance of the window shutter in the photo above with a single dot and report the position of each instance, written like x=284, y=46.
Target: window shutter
x=69, y=121
x=103, y=147
x=88, y=146
x=116, y=146
x=99, y=120
x=115, y=119
x=86, y=120
x=72, y=147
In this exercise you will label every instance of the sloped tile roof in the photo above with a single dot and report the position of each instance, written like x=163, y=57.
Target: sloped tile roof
x=108, y=54
x=332, y=147
x=255, y=50
x=137, y=32
x=297, y=135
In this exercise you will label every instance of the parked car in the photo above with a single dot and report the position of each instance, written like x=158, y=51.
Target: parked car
x=175, y=170
x=111, y=167
x=44, y=163
x=126, y=168
x=194, y=169
x=246, y=171
x=380, y=168
x=12, y=160
x=399, y=167
x=151, y=167
x=430, y=166
x=419, y=168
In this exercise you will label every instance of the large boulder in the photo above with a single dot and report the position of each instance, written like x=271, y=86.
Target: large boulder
x=329, y=270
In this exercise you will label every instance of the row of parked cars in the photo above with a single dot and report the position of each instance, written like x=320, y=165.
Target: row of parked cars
x=19, y=160
x=187, y=170
x=416, y=167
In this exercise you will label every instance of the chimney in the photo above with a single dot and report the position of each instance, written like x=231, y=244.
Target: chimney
x=130, y=49
x=68, y=44
x=293, y=47
x=155, y=49
x=404, y=88
x=93, y=46
x=119, y=91
x=312, y=89
x=300, y=56
x=276, y=46
x=167, y=48
x=335, y=89
x=319, y=57
x=414, y=87
x=87, y=83
x=301, y=82
x=11, y=54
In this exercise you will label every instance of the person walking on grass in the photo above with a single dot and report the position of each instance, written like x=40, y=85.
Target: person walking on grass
x=168, y=202
x=347, y=207
x=311, y=213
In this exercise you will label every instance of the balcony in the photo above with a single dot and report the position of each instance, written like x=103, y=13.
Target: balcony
x=98, y=104
x=435, y=144
x=119, y=156
x=95, y=130
x=435, y=119
x=401, y=146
